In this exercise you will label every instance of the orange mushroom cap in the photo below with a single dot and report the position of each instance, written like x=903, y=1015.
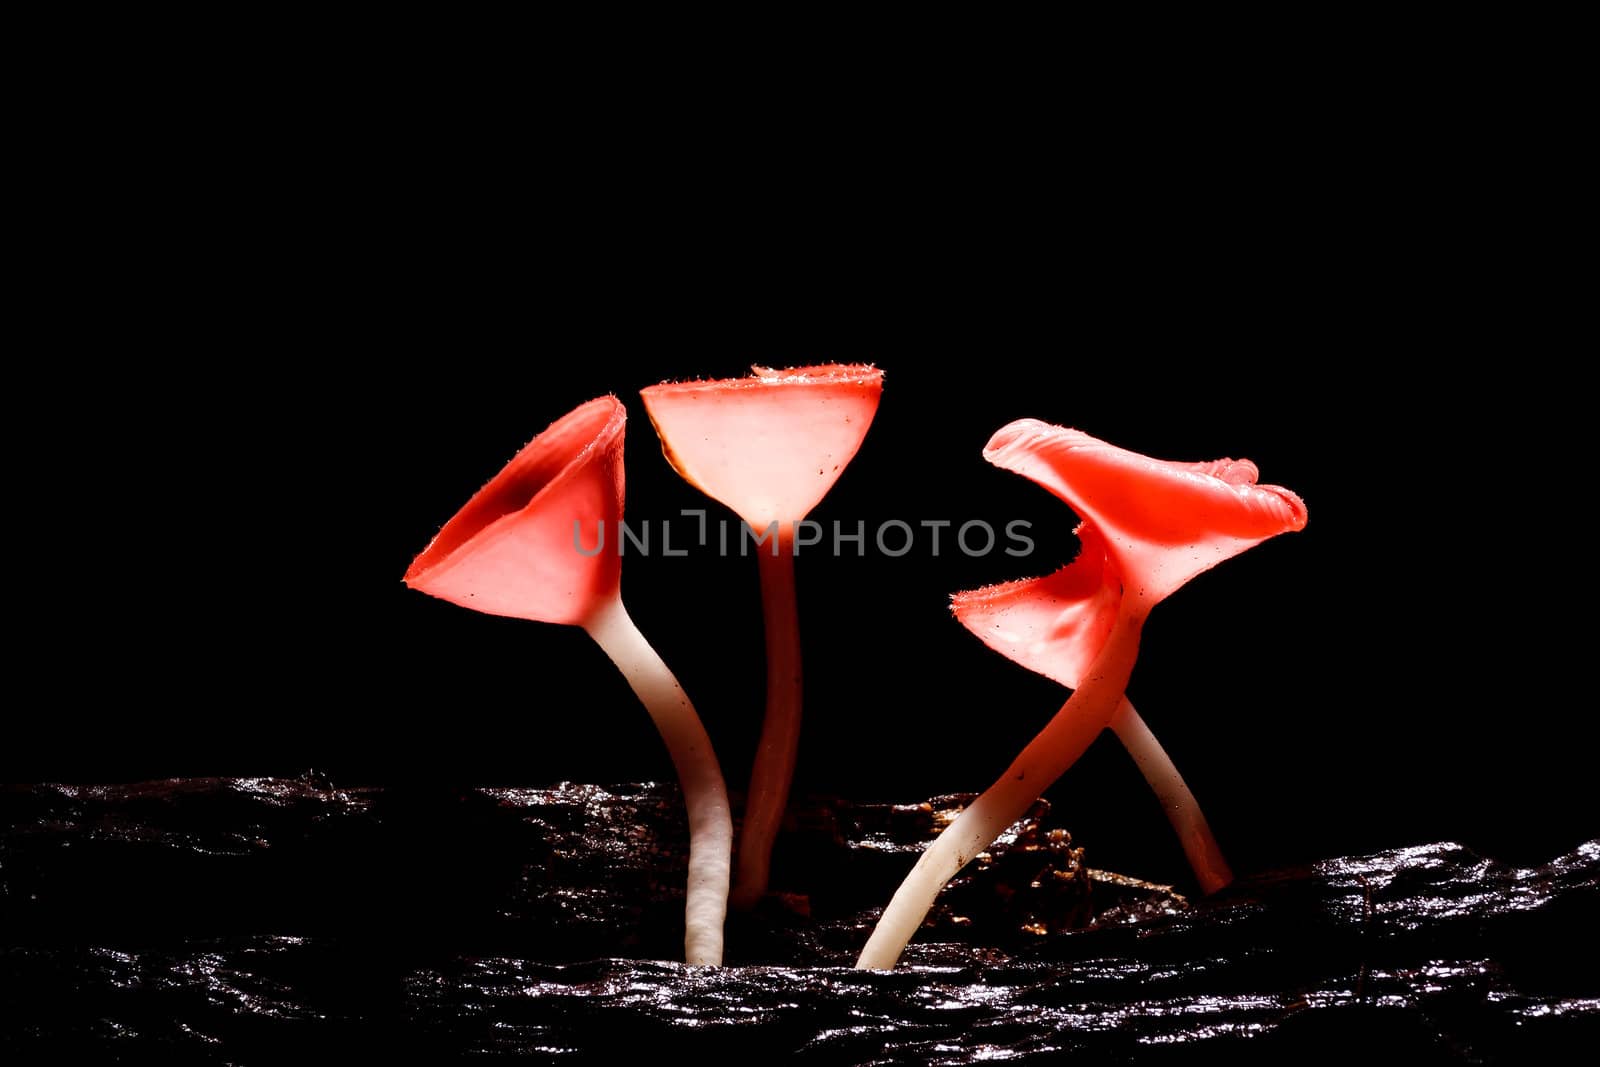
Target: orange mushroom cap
x=513, y=550
x=1054, y=625
x=1161, y=522
x=1149, y=526
x=769, y=446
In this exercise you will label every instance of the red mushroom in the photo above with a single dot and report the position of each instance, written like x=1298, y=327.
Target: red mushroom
x=769, y=446
x=1149, y=526
x=1055, y=625
x=521, y=547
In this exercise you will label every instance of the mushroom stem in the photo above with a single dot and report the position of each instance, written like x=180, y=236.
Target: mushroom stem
x=1047, y=757
x=704, y=794
x=773, y=769
x=1187, y=820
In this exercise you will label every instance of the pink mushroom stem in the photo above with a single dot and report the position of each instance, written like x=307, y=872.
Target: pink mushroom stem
x=773, y=770
x=1183, y=811
x=1046, y=758
x=704, y=794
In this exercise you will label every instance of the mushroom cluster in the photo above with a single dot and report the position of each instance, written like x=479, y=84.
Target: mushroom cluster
x=770, y=447
x=1149, y=526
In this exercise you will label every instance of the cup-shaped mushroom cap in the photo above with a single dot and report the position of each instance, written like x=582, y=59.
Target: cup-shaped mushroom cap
x=1163, y=522
x=513, y=549
x=769, y=446
x=1055, y=625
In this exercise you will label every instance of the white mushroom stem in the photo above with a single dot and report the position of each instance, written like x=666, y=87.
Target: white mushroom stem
x=1048, y=755
x=705, y=795
x=1187, y=820
x=773, y=770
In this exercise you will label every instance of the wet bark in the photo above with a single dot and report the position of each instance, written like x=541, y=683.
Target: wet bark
x=245, y=921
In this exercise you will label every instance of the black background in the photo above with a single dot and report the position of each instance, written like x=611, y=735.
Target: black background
x=267, y=400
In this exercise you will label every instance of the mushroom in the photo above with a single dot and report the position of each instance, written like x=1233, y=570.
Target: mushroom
x=1054, y=625
x=1148, y=527
x=517, y=548
x=769, y=447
